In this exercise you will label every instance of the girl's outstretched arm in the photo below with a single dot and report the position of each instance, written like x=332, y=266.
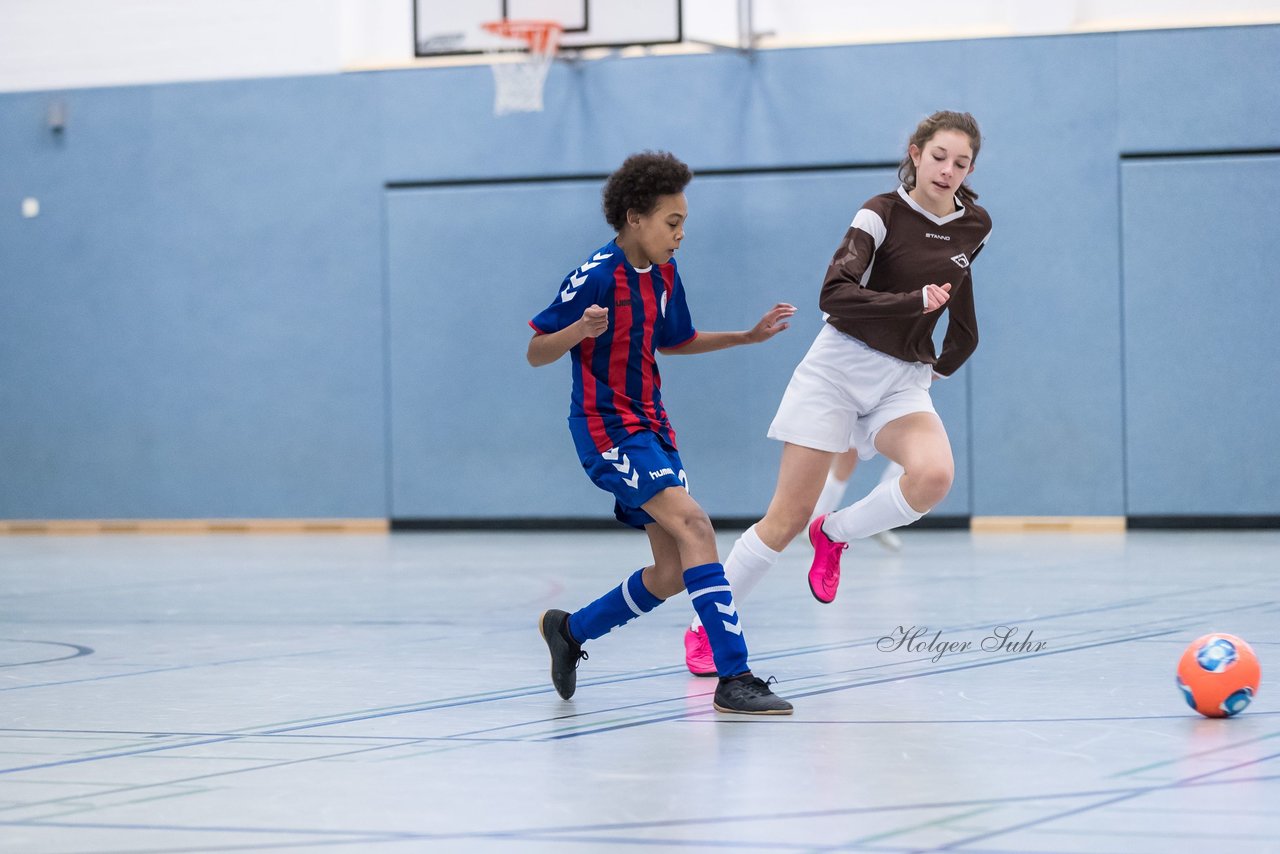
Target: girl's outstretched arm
x=773, y=322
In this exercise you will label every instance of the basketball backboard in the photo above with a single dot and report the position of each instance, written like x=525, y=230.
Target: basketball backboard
x=447, y=27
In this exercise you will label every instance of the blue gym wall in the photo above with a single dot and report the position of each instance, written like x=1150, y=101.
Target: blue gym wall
x=308, y=297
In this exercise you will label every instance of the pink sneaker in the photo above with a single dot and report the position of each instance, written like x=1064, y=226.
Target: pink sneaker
x=824, y=575
x=697, y=653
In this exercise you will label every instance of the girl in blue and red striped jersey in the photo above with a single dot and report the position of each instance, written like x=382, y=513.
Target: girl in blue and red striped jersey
x=611, y=315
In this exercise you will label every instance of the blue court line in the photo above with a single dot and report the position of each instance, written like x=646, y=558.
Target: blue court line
x=1184, y=757
x=249, y=846
x=179, y=734
x=742, y=845
x=197, y=828
x=425, y=707
x=1056, y=638
x=871, y=810
x=854, y=848
x=591, y=731
x=973, y=665
x=171, y=669
x=530, y=692
x=548, y=834
x=786, y=653
x=117, y=755
x=599, y=842
x=253, y=737
x=1176, y=784
x=78, y=651
x=284, y=731
x=250, y=737
x=160, y=748
x=892, y=678
x=710, y=690
x=489, y=697
x=1187, y=716
x=408, y=742
x=677, y=669
x=879, y=681
x=634, y=676
x=564, y=834
x=525, y=692
x=606, y=711
x=798, y=651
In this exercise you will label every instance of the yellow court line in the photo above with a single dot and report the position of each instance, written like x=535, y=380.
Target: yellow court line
x=1047, y=524
x=62, y=527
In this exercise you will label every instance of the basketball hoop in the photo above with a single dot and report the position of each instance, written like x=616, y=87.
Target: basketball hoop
x=518, y=83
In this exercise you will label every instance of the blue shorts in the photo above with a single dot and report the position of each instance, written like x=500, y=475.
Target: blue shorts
x=634, y=472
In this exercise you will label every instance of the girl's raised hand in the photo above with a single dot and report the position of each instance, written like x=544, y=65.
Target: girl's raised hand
x=936, y=296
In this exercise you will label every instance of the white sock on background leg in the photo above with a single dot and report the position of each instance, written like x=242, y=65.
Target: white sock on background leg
x=832, y=493
x=892, y=470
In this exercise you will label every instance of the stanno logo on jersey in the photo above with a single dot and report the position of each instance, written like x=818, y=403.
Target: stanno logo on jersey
x=663, y=306
x=961, y=260
x=936, y=236
x=578, y=276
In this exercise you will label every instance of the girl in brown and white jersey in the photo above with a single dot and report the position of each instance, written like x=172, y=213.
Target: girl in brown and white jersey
x=864, y=384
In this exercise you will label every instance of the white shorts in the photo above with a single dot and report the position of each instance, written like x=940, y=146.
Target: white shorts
x=843, y=392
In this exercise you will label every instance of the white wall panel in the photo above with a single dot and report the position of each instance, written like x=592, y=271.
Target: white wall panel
x=59, y=44
x=63, y=44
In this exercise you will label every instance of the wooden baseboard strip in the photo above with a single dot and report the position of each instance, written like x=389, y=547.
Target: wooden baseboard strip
x=1047, y=524
x=64, y=527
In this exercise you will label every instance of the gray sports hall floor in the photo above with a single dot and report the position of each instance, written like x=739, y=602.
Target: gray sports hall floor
x=390, y=693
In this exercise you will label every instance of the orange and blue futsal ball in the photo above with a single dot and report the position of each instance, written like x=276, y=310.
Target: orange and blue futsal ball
x=1219, y=675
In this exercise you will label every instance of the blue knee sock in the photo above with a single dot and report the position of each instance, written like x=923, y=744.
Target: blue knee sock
x=713, y=599
x=628, y=600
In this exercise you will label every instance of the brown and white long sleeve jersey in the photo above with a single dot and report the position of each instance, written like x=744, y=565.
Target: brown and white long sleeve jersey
x=874, y=288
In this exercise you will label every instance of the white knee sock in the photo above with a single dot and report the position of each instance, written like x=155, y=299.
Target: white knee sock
x=832, y=492
x=746, y=564
x=882, y=509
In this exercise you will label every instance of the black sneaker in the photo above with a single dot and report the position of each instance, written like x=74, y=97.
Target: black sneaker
x=748, y=695
x=565, y=652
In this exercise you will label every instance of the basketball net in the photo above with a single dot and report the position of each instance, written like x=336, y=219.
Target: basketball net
x=518, y=83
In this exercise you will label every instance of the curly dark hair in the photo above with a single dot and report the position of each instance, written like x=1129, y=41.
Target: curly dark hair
x=638, y=183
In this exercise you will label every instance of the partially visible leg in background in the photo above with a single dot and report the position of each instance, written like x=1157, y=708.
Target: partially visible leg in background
x=842, y=468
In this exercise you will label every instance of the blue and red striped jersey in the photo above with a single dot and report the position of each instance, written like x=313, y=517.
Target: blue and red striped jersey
x=616, y=385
